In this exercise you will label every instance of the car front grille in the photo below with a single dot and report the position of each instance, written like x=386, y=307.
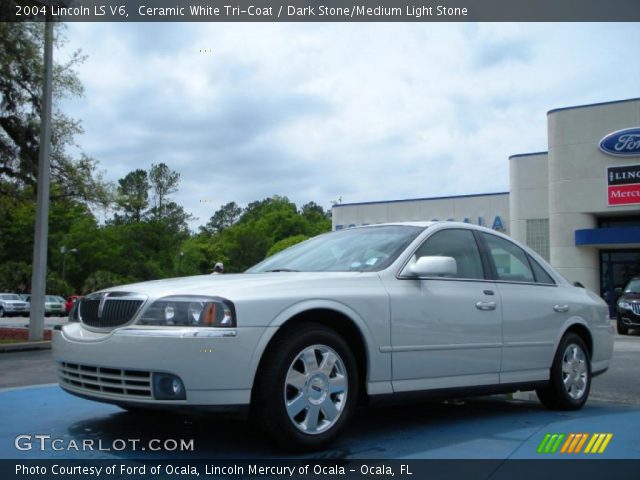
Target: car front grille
x=114, y=312
x=112, y=381
x=635, y=307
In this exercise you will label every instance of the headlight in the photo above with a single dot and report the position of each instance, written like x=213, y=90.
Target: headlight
x=190, y=311
x=625, y=305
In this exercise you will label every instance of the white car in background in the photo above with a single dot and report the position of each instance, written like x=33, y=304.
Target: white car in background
x=54, y=305
x=307, y=334
x=12, y=304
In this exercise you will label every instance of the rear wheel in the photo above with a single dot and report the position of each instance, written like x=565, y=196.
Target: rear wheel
x=621, y=327
x=307, y=389
x=570, y=382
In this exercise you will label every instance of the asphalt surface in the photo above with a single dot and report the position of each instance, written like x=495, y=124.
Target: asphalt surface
x=497, y=427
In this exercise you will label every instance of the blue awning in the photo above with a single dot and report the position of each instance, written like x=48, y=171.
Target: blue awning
x=608, y=236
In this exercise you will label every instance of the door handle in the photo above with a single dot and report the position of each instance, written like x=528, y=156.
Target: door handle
x=486, y=306
x=561, y=308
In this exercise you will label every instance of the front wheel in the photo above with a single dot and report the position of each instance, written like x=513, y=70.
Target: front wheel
x=570, y=382
x=307, y=389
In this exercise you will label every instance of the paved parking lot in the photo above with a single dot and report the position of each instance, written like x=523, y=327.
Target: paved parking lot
x=497, y=427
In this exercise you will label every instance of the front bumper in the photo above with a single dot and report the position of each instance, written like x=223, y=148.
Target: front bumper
x=216, y=366
x=15, y=310
x=629, y=318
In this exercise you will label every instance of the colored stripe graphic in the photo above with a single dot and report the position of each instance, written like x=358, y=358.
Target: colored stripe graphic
x=550, y=443
x=596, y=443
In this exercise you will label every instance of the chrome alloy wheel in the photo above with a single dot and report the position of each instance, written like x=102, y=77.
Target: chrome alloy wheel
x=574, y=371
x=315, y=389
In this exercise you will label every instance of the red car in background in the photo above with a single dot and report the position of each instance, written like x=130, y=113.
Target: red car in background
x=68, y=305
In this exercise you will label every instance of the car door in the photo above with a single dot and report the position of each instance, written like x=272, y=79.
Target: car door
x=446, y=332
x=532, y=307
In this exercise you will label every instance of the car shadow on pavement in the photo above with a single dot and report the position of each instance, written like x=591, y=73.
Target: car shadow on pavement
x=419, y=430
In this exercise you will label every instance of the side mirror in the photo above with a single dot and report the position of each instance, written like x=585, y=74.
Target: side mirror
x=433, y=267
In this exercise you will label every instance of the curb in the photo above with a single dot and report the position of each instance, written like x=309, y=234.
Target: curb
x=24, y=346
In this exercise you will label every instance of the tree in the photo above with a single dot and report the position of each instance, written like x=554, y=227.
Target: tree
x=164, y=182
x=133, y=194
x=15, y=277
x=286, y=243
x=319, y=220
x=101, y=279
x=21, y=74
x=223, y=218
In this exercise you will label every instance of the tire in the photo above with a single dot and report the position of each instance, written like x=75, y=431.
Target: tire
x=621, y=327
x=570, y=381
x=306, y=389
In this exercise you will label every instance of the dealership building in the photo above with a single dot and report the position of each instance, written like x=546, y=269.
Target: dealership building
x=577, y=204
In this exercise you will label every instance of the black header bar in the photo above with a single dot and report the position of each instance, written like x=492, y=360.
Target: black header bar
x=321, y=11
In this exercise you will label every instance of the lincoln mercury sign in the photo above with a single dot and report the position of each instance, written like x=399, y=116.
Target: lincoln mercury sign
x=623, y=185
x=623, y=143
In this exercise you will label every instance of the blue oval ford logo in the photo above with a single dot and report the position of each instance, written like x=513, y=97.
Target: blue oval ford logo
x=624, y=143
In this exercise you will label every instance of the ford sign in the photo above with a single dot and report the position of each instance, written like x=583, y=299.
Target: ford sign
x=623, y=143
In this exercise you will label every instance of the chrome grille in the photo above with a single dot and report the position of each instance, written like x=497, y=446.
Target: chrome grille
x=635, y=307
x=108, y=310
x=112, y=381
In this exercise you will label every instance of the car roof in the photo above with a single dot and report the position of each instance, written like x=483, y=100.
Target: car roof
x=426, y=225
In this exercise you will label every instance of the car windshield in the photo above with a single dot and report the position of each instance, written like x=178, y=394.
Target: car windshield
x=52, y=299
x=352, y=250
x=633, y=287
x=10, y=297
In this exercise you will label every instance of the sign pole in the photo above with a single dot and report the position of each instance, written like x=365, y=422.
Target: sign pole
x=39, y=276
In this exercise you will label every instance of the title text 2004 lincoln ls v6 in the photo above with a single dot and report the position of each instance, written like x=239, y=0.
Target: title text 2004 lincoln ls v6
x=304, y=336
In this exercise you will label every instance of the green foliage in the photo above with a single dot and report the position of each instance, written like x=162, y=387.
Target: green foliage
x=100, y=280
x=57, y=286
x=286, y=243
x=133, y=194
x=223, y=218
x=15, y=277
x=261, y=225
x=163, y=182
x=21, y=78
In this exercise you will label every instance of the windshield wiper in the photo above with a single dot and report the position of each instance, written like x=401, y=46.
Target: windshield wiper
x=281, y=270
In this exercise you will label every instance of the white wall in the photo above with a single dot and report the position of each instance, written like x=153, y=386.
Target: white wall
x=529, y=197
x=578, y=184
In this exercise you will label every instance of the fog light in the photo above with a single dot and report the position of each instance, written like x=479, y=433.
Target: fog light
x=168, y=387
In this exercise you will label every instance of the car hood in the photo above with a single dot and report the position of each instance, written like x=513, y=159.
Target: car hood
x=630, y=296
x=250, y=285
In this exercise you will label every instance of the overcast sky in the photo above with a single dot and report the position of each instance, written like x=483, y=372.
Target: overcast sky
x=318, y=112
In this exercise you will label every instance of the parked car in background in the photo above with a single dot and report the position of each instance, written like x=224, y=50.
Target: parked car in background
x=68, y=305
x=310, y=332
x=54, y=305
x=11, y=304
x=628, y=307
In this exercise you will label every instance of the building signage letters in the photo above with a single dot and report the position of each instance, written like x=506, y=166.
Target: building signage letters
x=623, y=143
x=623, y=185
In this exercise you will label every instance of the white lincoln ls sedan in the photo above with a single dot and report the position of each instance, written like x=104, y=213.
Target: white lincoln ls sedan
x=441, y=308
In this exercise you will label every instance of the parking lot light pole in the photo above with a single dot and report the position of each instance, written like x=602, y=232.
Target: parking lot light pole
x=64, y=251
x=39, y=276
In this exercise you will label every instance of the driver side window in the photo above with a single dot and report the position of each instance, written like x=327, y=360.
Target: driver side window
x=459, y=244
